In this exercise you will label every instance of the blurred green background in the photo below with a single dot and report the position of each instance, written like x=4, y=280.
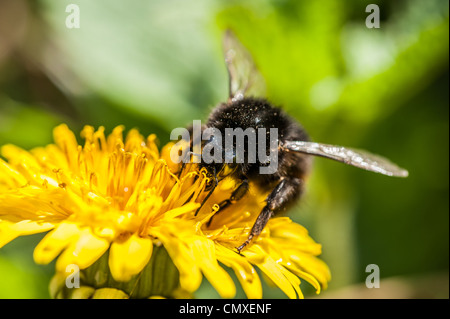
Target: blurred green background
x=157, y=65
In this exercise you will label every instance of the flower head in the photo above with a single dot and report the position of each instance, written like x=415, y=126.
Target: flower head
x=120, y=197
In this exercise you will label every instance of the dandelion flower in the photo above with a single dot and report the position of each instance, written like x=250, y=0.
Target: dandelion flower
x=116, y=209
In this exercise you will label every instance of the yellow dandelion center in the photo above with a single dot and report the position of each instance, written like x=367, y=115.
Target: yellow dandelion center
x=122, y=195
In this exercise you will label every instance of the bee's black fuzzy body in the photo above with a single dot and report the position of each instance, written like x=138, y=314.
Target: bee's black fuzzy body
x=259, y=113
x=285, y=185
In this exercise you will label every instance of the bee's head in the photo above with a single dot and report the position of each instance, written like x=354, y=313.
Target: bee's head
x=219, y=158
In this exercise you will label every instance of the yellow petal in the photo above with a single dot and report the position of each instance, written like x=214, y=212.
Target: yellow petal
x=190, y=207
x=246, y=274
x=293, y=279
x=83, y=252
x=109, y=293
x=10, y=230
x=84, y=292
x=205, y=256
x=272, y=270
x=67, y=142
x=128, y=258
x=18, y=156
x=182, y=257
x=54, y=242
x=308, y=277
x=32, y=204
x=316, y=267
x=10, y=177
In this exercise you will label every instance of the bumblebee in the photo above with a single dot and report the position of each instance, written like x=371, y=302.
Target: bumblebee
x=246, y=108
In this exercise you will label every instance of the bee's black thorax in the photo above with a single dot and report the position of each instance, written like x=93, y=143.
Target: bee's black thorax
x=259, y=113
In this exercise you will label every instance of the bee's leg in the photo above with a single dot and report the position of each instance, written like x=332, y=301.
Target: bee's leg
x=237, y=194
x=284, y=194
x=183, y=165
x=216, y=181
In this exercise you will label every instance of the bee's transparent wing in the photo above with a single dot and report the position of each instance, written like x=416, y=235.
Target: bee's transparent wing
x=350, y=156
x=244, y=77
